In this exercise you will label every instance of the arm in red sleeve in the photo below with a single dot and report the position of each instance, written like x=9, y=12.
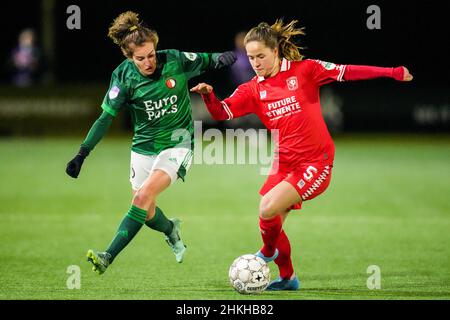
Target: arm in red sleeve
x=239, y=104
x=353, y=73
x=215, y=107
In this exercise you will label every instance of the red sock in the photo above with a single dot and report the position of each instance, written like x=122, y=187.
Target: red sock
x=283, y=260
x=270, y=231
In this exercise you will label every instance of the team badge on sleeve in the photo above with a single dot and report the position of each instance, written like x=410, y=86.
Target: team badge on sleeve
x=114, y=92
x=190, y=55
x=292, y=83
x=327, y=65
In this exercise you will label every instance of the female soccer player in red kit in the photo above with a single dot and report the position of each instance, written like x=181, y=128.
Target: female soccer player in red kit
x=284, y=94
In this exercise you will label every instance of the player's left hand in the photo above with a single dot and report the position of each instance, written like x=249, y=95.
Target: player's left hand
x=226, y=59
x=406, y=75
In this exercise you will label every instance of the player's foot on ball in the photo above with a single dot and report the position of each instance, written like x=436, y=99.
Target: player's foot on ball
x=175, y=242
x=99, y=260
x=284, y=284
x=267, y=259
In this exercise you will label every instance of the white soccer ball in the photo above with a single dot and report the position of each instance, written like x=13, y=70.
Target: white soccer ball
x=249, y=274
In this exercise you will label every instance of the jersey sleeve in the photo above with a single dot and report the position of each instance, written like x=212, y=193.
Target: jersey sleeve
x=116, y=97
x=97, y=131
x=353, y=73
x=239, y=104
x=194, y=64
x=322, y=72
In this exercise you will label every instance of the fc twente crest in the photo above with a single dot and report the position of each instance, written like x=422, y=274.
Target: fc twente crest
x=292, y=83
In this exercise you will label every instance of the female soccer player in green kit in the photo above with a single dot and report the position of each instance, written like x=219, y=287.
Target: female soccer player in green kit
x=153, y=86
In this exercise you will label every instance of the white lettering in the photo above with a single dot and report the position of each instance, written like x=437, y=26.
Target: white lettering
x=193, y=310
x=374, y=20
x=308, y=175
x=74, y=280
x=283, y=107
x=173, y=99
x=74, y=20
x=162, y=107
x=374, y=280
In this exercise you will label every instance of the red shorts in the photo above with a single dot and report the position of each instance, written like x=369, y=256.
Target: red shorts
x=309, y=180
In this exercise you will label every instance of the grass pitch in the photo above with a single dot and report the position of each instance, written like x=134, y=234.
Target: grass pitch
x=388, y=205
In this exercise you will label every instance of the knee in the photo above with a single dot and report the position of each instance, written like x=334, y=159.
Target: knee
x=143, y=199
x=267, y=208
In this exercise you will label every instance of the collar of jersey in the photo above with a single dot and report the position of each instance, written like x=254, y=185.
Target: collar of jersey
x=285, y=66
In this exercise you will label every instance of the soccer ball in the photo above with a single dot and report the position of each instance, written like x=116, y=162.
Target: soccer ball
x=249, y=274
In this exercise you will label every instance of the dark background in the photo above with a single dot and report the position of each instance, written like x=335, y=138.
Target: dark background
x=414, y=34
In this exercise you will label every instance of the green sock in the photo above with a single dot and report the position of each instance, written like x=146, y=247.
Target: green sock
x=129, y=227
x=160, y=223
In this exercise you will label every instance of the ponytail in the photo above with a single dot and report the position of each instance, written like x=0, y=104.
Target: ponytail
x=127, y=29
x=278, y=36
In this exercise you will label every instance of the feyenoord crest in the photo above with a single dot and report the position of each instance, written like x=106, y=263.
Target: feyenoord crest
x=292, y=83
x=171, y=83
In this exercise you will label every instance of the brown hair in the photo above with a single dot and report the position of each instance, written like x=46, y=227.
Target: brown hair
x=126, y=30
x=278, y=36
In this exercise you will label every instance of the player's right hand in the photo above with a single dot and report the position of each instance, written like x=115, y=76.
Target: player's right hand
x=202, y=88
x=74, y=166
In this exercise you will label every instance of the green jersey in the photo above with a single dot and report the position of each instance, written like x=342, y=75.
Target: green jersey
x=159, y=104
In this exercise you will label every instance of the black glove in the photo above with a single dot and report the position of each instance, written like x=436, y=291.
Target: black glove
x=74, y=166
x=226, y=59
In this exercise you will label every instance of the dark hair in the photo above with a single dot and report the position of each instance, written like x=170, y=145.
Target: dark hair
x=278, y=36
x=126, y=29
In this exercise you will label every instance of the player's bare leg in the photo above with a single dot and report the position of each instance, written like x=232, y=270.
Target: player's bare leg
x=143, y=200
x=279, y=199
x=153, y=186
x=145, y=197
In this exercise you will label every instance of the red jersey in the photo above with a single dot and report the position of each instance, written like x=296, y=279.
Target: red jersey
x=289, y=103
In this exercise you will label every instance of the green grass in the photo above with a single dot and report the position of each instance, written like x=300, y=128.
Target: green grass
x=388, y=205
